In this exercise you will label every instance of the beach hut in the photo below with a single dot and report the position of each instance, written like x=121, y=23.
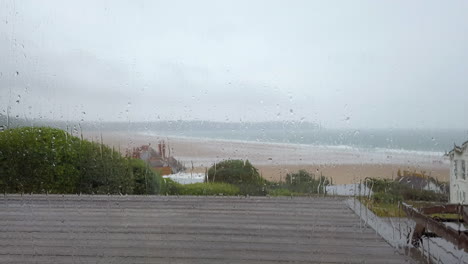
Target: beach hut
x=458, y=174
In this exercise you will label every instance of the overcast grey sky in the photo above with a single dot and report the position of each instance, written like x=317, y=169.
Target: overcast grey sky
x=360, y=64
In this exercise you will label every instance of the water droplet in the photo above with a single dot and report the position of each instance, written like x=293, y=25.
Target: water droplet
x=291, y=111
x=17, y=73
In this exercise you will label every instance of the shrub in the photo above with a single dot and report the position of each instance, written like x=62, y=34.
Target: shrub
x=234, y=172
x=170, y=187
x=147, y=181
x=389, y=191
x=304, y=182
x=43, y=159
x=37, y=160
x=382, y=197
x=298, y=178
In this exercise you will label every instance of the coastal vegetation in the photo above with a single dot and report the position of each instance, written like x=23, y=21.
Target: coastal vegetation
x=305, y=182
x=207, y=189
x=388, y=194
x=234, y=172
x=300, y=183
x=246, y=177
x=49, y=160
x=239, y=173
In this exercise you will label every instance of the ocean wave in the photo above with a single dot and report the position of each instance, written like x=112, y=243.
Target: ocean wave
x=325, y=147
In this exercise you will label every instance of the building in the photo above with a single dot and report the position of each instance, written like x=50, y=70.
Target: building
x=421, y=183
x=458, y=174
x=157, y=160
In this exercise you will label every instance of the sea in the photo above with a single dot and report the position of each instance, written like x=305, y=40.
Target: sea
x=422, y=140
x=417, y=140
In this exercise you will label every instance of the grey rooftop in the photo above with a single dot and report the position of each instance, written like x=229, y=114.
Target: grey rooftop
x=185, y=229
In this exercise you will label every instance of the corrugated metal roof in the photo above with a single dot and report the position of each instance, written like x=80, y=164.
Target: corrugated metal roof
x=160, y=229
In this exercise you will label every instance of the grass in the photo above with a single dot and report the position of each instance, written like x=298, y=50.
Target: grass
x=387, y=209
x=447, y=216
x=173, y=188
x=280, y=192
x=383, y=209
x=388, y=194
x=287, y=192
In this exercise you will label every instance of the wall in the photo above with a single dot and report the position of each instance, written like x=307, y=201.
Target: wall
x=459, y=185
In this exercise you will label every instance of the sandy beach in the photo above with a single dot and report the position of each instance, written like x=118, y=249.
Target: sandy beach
x=274, y=160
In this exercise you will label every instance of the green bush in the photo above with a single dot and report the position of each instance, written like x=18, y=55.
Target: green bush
x=234, y=172
x=304, y=182
x=170, y=187
x=38, y=159
x=423, y=195
x=49, y=160
x=389, y=191
x=298, y=178
x=382, y=197
x=147, y=181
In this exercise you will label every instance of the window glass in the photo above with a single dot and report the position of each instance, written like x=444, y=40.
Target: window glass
x=247, y=131
x=463, y=169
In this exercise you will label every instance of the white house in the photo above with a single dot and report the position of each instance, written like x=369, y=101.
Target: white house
x=459, y=174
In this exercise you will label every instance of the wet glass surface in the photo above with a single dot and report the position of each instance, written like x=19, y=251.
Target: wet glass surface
x=233, y=131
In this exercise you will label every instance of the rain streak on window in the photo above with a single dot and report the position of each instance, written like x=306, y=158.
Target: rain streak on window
x=238, y=132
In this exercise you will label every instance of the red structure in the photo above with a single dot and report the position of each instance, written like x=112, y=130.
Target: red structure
x=157, y=160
